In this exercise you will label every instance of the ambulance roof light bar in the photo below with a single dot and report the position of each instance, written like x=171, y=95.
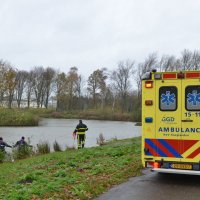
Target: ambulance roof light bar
x=157, y=76
x=169, y=75
x=192, y=74
x=180, y=75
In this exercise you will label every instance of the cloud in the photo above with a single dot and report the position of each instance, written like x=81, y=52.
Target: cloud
x=98, y=33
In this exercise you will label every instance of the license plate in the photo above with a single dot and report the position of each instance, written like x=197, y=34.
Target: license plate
x=181, y=166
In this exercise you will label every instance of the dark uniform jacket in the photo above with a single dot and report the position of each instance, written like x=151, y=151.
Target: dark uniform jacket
x=3, y=145
x=21, y=143
x=80, y=129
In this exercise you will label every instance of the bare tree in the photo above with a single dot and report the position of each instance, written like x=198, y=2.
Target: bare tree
x=21, y=78
x=38, y=85
x=72, y=79
x=10, y=81
x=29, y=86
x=79, y=92
x=61, y=85
x=93, y=85
x=79, y=86
x=121, y=81
x=3, y=69
x=186, y=60
x=102, y=86
x=177, y=65
x=147, y=66
x=196, y=60
x=167, y=63
x=112, y=91
x=97, y=85
x=49, y=81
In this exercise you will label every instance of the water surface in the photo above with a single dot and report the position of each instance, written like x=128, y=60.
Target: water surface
x=61, y=130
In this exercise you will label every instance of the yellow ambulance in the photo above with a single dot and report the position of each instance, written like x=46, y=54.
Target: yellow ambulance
x=171, y=121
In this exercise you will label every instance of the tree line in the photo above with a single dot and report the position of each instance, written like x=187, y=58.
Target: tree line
x=119, y=89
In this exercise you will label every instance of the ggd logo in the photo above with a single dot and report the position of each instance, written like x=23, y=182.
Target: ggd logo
x=168, y=119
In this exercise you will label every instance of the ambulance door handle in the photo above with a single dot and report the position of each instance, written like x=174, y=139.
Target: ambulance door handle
x=187, y=120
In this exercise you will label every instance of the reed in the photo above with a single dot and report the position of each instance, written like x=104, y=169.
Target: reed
x=56, y=146
x=43, y=147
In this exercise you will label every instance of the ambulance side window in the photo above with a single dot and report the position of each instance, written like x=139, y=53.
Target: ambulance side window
x=192, y=98
x=168, y=98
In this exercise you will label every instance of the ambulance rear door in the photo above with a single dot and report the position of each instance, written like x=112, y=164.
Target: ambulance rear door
x=168, y=119
x=190, y=135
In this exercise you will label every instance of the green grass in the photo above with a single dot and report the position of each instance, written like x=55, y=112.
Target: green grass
x=95, y=114
x=73, y=174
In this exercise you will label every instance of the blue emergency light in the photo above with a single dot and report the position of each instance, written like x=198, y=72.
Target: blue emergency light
x=148, y=119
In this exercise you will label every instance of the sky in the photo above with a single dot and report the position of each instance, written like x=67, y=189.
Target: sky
x=93, y=34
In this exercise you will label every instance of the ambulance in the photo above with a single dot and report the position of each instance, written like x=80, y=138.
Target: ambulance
x=171, y=122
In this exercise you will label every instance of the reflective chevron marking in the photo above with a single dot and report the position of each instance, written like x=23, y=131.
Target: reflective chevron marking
x=172, y=148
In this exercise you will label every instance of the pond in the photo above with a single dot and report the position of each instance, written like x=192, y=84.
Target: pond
x=61, y=130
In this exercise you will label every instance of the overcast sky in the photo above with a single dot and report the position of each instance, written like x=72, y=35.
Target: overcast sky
x=92, y=34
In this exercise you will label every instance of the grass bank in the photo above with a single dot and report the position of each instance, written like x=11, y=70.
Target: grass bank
x=73, y=174
x=92, y=114
x=17, y=117
x=30, y=117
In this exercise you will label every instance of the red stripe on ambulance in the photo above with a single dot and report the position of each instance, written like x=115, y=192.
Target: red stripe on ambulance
x=163, y=148
x=195, y=153
x=151, y=150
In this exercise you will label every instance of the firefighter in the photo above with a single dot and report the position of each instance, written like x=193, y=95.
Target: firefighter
x=80, y=131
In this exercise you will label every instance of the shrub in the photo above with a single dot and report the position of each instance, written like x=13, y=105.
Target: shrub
x=22, y=152
x=2, y=156
x=56, y=146
x=16, y=117
x=56, y=115
x=43, y=147
x=101, y=140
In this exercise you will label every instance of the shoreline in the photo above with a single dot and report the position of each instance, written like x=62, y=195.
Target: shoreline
x=31, y=117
